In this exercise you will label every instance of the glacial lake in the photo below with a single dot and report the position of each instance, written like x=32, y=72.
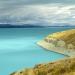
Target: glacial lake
x=19, y=49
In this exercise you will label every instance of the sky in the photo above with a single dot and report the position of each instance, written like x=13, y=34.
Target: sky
x=40, y=12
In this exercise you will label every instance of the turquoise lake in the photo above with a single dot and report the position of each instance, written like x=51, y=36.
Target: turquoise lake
x=18, y=48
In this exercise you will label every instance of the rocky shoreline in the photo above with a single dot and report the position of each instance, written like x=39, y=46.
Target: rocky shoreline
x=66, y=52
x=61, y=42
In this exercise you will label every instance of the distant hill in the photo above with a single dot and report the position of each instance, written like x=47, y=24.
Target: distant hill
x=19, y=26
x=34, y=25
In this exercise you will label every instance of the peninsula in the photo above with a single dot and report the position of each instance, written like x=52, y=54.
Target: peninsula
x=62, y=42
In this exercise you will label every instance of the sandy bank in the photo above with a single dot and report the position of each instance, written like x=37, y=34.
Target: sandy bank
x=64, y=51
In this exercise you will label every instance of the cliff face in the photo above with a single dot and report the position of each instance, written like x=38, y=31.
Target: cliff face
x=62, y=67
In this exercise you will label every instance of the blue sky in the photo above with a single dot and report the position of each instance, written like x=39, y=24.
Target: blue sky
x=42, y=12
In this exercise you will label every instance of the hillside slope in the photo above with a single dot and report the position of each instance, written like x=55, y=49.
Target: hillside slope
x=61, y=67
x=62, y=42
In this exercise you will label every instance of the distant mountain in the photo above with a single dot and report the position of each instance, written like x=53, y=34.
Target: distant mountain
x=61, y=25
x=35, y=25
x=19, y=26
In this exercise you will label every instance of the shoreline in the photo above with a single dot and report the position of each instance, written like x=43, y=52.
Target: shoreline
x=53, y=68
x=46, y=46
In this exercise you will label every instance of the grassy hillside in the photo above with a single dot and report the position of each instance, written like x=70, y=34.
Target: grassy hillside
x=67, y=36
x=62, y=67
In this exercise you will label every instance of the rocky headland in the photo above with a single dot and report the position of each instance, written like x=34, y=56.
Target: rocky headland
x=62, y=42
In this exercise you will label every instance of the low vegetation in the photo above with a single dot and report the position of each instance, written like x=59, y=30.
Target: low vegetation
x=64, y=39
x=62, y=67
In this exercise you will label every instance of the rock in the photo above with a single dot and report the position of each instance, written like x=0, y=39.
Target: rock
x=52, y=45
x=61, y=44
x=70, y=46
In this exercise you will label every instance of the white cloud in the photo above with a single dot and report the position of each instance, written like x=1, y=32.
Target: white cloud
x=73, y=17
x=38, y=14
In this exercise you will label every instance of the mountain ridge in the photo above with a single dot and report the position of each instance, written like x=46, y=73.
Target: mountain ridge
x=33, y=25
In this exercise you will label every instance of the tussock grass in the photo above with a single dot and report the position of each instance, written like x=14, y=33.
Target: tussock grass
x=61, y=67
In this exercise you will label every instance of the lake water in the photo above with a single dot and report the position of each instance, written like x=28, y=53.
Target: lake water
x=18, y=48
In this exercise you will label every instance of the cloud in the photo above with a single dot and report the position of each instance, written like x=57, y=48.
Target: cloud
x=28, y=2
x=43, y=14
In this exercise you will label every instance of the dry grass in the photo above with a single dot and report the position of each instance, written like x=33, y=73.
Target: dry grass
x=67, y=36
x=62, y=67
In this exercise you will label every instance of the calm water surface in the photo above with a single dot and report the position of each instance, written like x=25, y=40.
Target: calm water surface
x=18, y=48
